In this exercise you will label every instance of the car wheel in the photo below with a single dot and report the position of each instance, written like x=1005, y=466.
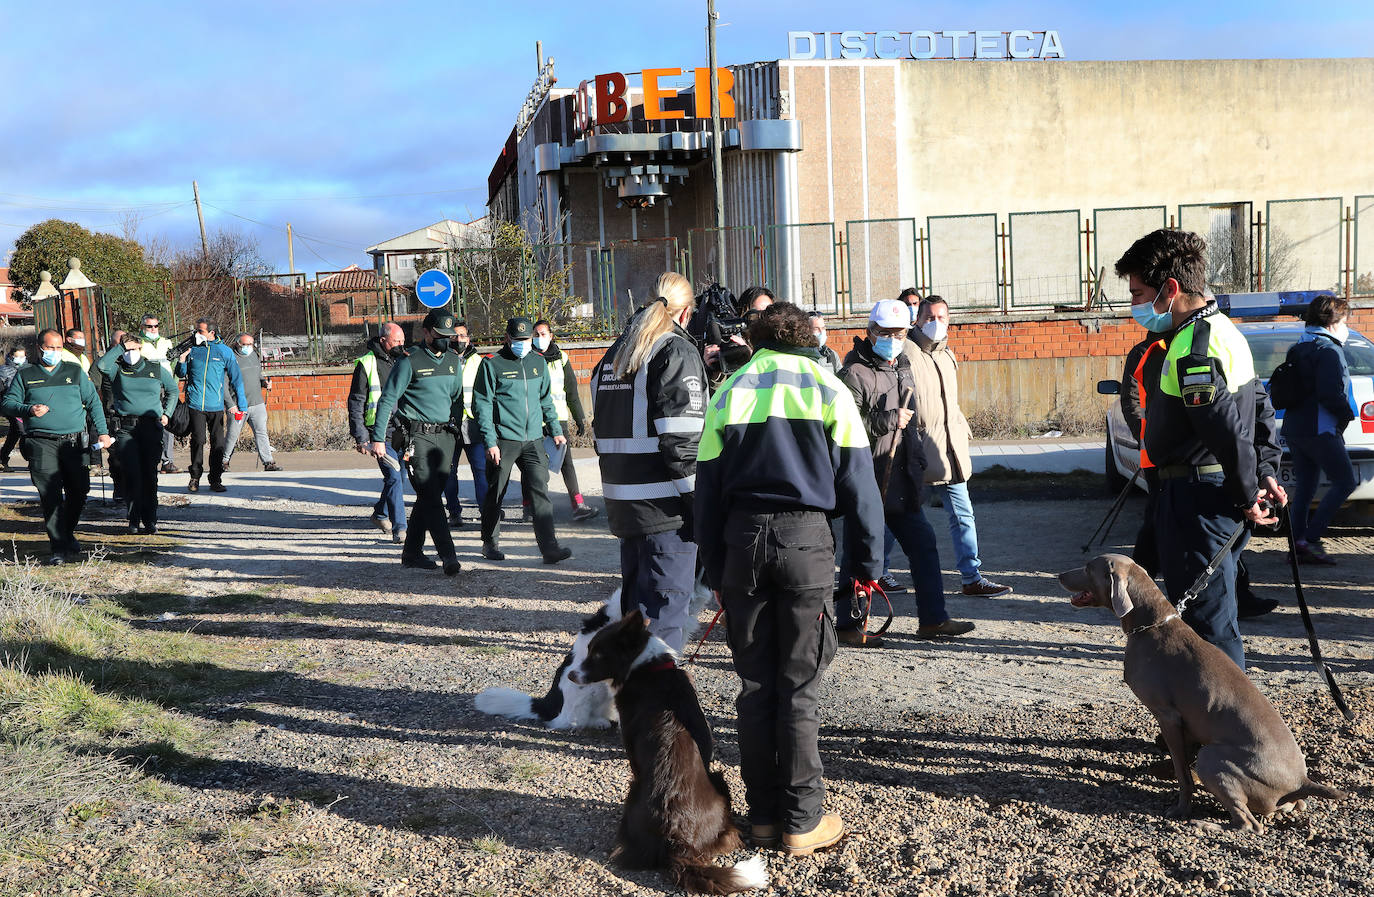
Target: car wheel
x=1115, y=481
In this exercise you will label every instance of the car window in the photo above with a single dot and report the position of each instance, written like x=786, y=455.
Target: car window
x=1359, y=354
x=1270, y=347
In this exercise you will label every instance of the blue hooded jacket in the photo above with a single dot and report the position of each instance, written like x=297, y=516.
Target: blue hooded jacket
x=204, y=369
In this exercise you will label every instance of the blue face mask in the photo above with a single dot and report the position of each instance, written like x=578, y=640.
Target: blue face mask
x=245, y=350
x=1154, y=321
x=520, y=347
x=887, y=346
x=51, y=357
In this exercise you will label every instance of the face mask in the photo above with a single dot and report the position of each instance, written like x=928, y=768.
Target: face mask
x=915, y=310
x=1154, y=321
x=934, y=329
x=19, y=360
x=460, y=346
x=245, y=350
x=150, y=336
x=520, y=347
x=79, y=343
x=440, y=344
x=1341, y=331
x=396, y=351
x=820, y=338
x=200, y=339
x=51, y=357
x=542, y=342
x=887, y=346
x=132, y=357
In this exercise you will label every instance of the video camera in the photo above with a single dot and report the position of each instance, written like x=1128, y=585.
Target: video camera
x=715, y=321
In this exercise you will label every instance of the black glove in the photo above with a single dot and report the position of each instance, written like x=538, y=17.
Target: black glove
x=582, y=428
x=688, y=531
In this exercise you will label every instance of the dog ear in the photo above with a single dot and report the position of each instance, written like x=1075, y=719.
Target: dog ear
x=1118, y=577
x=635, y=617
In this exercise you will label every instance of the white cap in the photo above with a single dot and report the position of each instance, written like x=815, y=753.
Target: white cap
x=890, y=313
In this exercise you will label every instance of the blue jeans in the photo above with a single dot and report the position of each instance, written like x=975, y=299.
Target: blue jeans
x=477, y=460
x=963, y=532
x=658, y=573
x=917, y=539
x=391, y=505
x=1311, y=456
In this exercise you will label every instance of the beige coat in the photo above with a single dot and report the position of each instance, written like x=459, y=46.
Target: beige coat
x=941, y=425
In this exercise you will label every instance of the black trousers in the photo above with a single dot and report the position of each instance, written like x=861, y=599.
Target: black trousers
x=12, y=437
x=139, y=451
x=431, y=458
x=60, y=471
x=779, y=568
x=534, y=479
x=203, y=424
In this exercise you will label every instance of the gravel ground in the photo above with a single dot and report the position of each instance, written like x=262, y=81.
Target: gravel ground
x=1007, y=762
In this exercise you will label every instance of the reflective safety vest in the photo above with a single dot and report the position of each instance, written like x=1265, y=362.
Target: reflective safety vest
x=558, y=387
x=1139, y=375
x=69, y=355
x=471, y=365
x=156, y=350
x=374, y=388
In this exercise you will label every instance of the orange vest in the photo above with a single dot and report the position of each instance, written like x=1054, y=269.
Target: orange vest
x=1139, y=376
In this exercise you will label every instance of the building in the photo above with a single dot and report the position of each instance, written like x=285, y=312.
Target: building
x=396, y=257
x=11, y=312
x=1006, y=185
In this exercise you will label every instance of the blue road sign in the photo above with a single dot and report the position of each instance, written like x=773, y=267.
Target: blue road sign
x=435, y=288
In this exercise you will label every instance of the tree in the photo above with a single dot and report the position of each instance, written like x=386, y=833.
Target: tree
x=507, y=274
x=205, y=282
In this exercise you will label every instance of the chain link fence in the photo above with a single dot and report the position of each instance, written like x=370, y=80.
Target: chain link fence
x=741, y=267
x=800, y=265
x=962, y=260
x=1114, y=230
x=1046, y=259
x=1227, y=228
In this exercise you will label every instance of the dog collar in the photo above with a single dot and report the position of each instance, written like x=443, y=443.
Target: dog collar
x=661, y=665
x=1138, y=629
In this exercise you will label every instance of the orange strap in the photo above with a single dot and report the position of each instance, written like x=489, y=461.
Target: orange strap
x=1139, y=375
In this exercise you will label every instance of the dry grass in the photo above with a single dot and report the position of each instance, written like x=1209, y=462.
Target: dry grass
x=309, y=431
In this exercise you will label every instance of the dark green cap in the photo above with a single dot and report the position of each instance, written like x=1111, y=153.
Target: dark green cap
x=520, y=328
x=441, y=322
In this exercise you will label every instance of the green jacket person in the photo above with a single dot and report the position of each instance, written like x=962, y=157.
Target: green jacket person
x=143, y=394
x=425, y=390
x=59, y=402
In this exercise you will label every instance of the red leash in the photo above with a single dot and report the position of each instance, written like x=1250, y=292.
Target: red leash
x=714, y=620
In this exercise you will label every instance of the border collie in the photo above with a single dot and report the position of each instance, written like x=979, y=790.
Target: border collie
x=567, y=704
x=677, y=811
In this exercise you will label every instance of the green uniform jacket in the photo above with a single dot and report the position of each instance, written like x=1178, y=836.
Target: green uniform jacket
x=145, y=390
x=512, y=399
x=421, y=387
x=66, y=390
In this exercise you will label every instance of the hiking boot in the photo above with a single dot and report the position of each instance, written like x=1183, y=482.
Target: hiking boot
x=272, y=466
x=985, y=588
x=194, y=485
x=763, y=834
x=419, y=563
x=890, y=584
x=218, y=487
x=491, y=552
x=1256, y=608
x=558, y=554
x=455, y=521
x=945, y=629
x=169, y=467
x=55, y=560
x=399, y=536
x=382, y=524
x=452, y=567
x=828, y=831
x=584, y=511
x=1312, y=553
x=854, y=639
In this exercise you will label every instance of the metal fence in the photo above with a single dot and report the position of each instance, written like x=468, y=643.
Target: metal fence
x=1362, y=246
x=743, y=257
x=883, y=256
x=801, y=265
x=962, y=260
x=1113, y=232
x=1302, y=247
x=1046, y=259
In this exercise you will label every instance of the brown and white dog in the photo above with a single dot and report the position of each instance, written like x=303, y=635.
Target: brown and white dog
x=677, y=811
x=1248, y=759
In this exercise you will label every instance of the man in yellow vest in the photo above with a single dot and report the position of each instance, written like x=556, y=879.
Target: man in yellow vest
x=473, y=447
x=568, y=404
x=156, y=347
x=74, y=349
x=369, y=373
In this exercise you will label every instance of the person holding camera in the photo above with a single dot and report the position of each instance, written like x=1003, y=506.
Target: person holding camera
x=142, y=396
x=649, y=400
x=425, y=390
x=59, y=403
x=204, y=366
x=727, y=348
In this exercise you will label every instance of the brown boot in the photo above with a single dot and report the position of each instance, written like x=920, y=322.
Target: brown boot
x=828, y=831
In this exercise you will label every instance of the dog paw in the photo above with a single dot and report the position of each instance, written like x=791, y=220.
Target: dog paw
x=600, y=724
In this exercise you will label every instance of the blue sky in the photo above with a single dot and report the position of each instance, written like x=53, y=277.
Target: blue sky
x=360, y=121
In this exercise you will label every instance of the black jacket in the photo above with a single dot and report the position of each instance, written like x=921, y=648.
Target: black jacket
x=357, y=393
x=647, y=432
x=878, y=387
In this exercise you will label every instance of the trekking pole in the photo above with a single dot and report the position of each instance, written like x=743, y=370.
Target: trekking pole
x=1307, y=622
x=1109, y=519
x=903, y=397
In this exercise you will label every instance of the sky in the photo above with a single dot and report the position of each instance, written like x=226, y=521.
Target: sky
x=358, y=122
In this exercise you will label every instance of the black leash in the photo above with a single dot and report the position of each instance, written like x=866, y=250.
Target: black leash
x=1201, y=582
x=1307, y=623
x=1109, y=520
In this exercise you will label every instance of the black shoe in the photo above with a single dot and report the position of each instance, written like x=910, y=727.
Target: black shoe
x=55, y=560
x=419, y=563
x=452, y=567
x=272, y=466
x=72, y=550
x=169, y=467
x=491, y=552
x=133, y=529
x=194, y=485
x=218, y=487
x=1257, y=608
x=150, y=529
x=455, y=521
x=558, y=554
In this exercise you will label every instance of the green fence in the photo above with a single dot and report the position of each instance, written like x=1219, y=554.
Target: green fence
x=962, y=260
x=801, y=265
x=741, y=266
x=1228, y=229
x=1362, y=246
x=1045, y=252
x=1302, y=244
x=883, y=256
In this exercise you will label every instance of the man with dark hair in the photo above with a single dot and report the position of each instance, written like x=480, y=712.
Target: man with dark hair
x=829, y=357
x=783, y=448
x=470, y=438
x=1209, y=429
x=205, y=365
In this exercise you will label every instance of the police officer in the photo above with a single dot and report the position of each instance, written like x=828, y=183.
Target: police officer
x=1209, y=429
x=512, y=402
x=59, y=401
x=783, y=448
x=476, y=453
x=370, y=371
x=143, y=394
x=425, y=389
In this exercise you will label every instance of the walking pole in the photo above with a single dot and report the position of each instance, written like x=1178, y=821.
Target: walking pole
x=1109, y=520
x=1307, y=622
x=862, y=594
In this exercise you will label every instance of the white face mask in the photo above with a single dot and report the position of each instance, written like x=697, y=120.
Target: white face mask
x=542, y=342
x=132, y=357
x=1340, y=331
x=935, y=329
x=19, y=360
x=200, y=339
x=820, y=338
x=76, y=341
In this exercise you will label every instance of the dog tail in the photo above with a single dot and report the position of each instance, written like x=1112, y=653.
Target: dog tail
x=707, y=879
x=506, y=702
x=1312, y=789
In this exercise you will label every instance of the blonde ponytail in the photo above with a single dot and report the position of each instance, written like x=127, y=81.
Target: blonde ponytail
x=673, y=293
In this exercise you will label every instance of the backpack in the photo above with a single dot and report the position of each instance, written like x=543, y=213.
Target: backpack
x=1287, y=388
x=179, y=421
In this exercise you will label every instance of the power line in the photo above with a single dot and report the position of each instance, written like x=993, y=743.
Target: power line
x=321, y=240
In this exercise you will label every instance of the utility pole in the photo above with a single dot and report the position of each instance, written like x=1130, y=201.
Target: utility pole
x=717, y=170
x=200, y=213
x=290, y=251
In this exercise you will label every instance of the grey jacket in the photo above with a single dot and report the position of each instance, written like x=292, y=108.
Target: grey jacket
x=878, y=386
x=250, y=366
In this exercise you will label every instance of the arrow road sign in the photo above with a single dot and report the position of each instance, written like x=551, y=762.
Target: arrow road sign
x=434, y=288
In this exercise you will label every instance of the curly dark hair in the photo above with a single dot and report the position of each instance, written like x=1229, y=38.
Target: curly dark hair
x=1326, y=309
x=1164, y=253
x=785, y=323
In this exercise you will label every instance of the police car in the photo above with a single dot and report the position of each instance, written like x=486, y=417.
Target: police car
x=1269, y=343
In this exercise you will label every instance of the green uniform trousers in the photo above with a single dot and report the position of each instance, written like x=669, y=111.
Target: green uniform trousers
x=429, y=468
x=60, y=472
x=139, y=450
x=534, y=478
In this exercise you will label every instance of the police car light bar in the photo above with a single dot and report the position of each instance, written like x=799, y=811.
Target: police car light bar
x=1257, y=305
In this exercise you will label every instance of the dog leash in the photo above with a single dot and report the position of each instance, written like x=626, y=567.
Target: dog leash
x=720, y=609
x=1307, y=624
x=1206, y=575
x=863, y=592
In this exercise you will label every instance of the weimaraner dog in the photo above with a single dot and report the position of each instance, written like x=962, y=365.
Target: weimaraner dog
x=1248, y=760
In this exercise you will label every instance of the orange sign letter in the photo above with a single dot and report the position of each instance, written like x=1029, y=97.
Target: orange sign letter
x=726, y=81
x=653, y=96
